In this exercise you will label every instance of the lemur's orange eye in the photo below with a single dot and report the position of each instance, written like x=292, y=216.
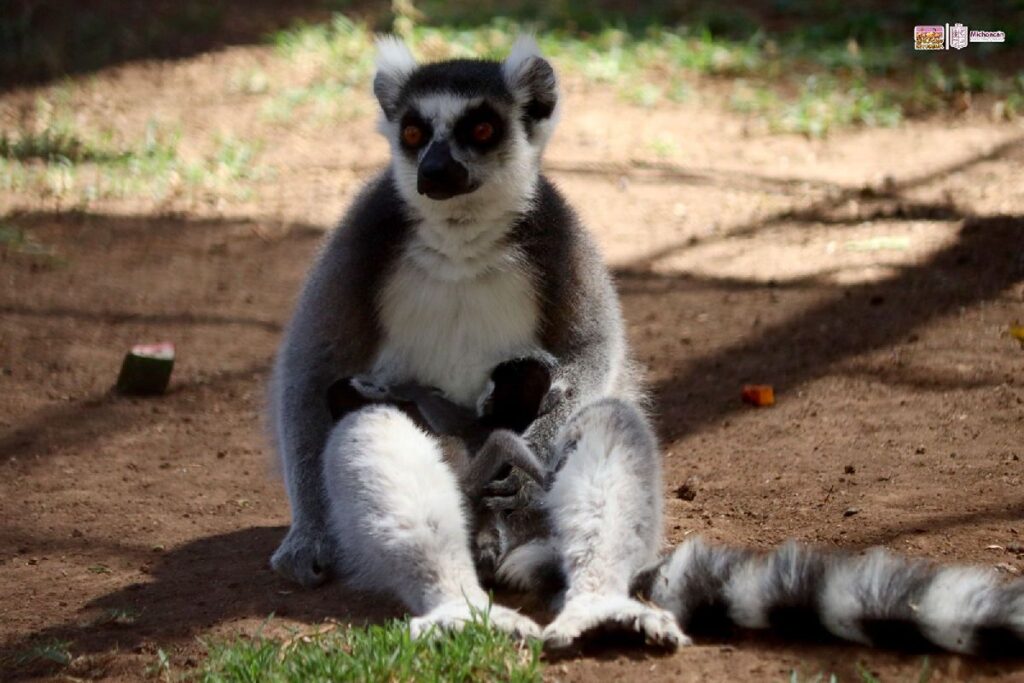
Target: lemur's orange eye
x=412, y=135
x=483, y=131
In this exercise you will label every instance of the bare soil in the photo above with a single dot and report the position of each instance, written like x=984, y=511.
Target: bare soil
x=870, y=278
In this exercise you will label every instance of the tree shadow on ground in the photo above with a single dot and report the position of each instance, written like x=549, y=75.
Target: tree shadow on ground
x=92, y=295
x=984, y=261
x=46, y=39
x=208, y=582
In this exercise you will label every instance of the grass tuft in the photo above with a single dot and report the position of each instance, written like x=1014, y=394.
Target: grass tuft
x=54, y=156
x=48, y=652
x=810, y=80
x=376, y=653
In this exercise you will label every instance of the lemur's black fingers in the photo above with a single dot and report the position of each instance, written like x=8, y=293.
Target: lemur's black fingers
x=511, y=493
x=368, y=388
x=551, y=400
x=485, y=402
x=411, y=391
x=503, y=488
x=505, y=503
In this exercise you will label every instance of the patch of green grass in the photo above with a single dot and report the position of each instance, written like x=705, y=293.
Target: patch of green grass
x=18, y=241
x=923, y=675
x=935, y=87
x=664, y=146
x=841, y=68
x=332, y=59
x=824, y=105
x=376, y=653
x=813, y=79
x=161, y=668
x=51, y=145
x=235, y=159
x=646, y=95
x=250, y=81
x=54, y=156
x=796, y=676
x=117, y=616
x=864, y=674
x=11, y=237
x=53, y=137
x=47, y=652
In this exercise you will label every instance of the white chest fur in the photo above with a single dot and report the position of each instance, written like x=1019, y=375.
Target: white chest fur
x=449, y=332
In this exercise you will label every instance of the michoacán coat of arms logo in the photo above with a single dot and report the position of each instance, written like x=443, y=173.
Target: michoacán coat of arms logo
x=958, y=36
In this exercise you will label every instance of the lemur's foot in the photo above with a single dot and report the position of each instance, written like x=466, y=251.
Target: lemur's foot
x=601, y=613
x=454, y=615
x=304, y=556
x=488, y=550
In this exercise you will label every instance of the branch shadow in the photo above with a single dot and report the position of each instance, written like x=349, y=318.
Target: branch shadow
x=128, y=317
x=983, y=262
x=891, y=204
x=78, y=423
x=889, y=533
x=663, y=172
x=93, y=297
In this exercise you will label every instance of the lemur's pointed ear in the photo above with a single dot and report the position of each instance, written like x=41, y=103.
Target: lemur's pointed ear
x=394, y=64
x=531, y=79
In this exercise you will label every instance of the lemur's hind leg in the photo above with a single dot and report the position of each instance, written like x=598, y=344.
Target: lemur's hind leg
x=605, y=507
x=396, y=509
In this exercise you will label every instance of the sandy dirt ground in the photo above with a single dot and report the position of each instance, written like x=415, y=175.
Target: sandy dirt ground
x=870, y=277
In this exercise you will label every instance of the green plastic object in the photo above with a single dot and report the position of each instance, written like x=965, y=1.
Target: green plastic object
x=146, y=370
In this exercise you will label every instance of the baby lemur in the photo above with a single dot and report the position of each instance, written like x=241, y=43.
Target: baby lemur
x=459, y=256
x=489, y=441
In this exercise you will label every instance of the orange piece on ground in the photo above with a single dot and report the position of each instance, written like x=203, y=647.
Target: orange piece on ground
x=1017, y=332
x=759, y=395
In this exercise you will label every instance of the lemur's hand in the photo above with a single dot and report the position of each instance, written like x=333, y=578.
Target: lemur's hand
x=516, y=491
x=551, y=400
x=371, y=387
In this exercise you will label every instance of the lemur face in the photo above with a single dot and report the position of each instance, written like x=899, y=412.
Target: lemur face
x=456, y=141
x=465, y=131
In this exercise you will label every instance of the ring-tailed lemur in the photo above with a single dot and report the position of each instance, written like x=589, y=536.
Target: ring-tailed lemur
x=461, y=256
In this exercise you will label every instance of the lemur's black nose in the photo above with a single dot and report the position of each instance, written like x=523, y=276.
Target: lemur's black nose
x=440, y=175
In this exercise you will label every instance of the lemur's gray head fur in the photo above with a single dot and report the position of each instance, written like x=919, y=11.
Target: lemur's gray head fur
x=466, y=134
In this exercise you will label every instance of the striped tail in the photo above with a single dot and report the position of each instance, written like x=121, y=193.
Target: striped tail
x=877, y=599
